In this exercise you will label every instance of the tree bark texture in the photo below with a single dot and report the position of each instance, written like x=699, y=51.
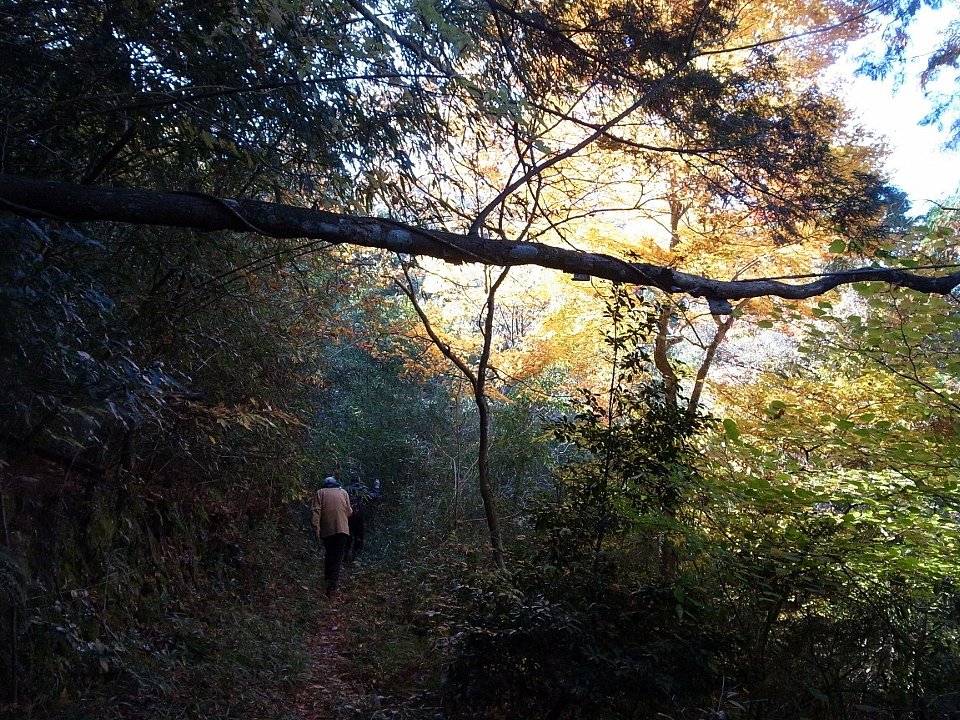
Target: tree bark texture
x=31, y=197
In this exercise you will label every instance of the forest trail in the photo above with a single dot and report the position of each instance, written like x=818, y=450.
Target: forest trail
x=333, y=687
x=369, y=659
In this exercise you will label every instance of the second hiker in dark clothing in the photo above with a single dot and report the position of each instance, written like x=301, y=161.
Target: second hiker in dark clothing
x=361, y=498
x=331, y=513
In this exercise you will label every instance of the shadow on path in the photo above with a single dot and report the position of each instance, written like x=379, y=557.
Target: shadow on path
x=333, y=690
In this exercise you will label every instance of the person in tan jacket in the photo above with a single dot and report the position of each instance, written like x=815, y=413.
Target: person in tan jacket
x=331, y=508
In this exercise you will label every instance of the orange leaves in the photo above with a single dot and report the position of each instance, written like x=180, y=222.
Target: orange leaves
x=252, y=415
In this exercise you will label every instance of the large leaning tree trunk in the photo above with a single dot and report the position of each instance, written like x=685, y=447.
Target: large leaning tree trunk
x=30, y=197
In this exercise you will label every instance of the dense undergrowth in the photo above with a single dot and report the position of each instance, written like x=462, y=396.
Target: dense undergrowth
x=228, y=645
x=168, y=398
x=157, y=560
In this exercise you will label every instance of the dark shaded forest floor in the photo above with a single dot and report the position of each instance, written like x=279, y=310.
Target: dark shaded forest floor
x=332, y=686
x=254, y=637
x=370, y=655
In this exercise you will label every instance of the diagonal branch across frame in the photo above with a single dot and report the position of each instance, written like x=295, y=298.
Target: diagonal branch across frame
x=30, y=197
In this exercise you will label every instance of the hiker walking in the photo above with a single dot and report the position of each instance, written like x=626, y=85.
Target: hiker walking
x=361, y=499
x=331, y=510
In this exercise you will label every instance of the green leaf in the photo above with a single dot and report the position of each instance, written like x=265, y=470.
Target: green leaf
x=730, y=429
x=838, y=246
x=776, y=408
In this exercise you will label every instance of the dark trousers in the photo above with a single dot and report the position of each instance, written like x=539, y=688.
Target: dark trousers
x=334, y=546
x=355, y=544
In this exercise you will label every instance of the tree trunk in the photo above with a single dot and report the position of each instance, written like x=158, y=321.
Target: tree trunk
x=671, y=383
x=723, y=327
x=483, y=410
x=478, y=381
x=486, y=487
x=30, y=197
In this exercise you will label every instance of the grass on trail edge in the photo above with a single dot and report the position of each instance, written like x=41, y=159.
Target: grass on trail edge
x=374, y=647
x=262, y=641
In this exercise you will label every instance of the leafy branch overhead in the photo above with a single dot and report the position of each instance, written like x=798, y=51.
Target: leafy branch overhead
x=523, y=122
x=76, y=203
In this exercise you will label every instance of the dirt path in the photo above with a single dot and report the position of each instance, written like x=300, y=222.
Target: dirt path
x=332, y=688
x=367, y=658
